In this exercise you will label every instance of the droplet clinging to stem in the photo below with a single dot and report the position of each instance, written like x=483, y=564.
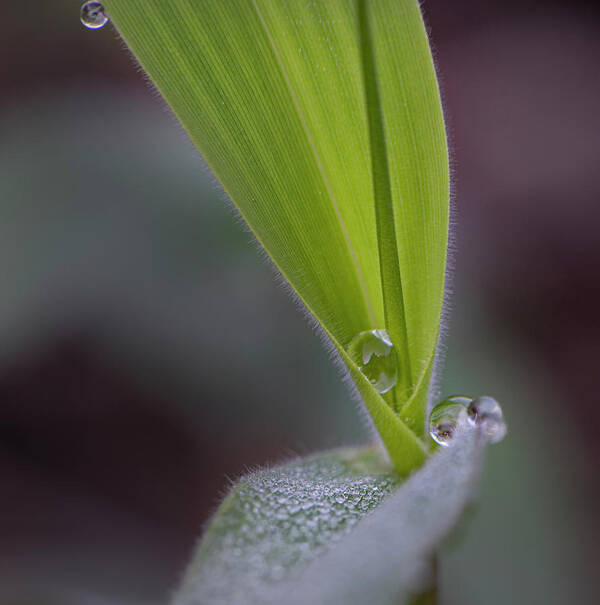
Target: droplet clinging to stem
x=454, y=413
x=374, y=354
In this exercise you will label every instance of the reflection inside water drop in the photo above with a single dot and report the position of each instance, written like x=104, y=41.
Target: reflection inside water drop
x=487, y=413
x=374, y=354
x=447, y=417
x=93, y=16
x=454, y=413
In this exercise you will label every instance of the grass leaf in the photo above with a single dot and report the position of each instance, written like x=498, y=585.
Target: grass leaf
x=323, y=122
x=333, y=528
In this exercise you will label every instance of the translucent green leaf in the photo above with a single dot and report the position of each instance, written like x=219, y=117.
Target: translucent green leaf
x=333, y=528
x=323, y=122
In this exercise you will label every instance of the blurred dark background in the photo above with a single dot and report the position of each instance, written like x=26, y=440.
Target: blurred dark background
x=147, y=357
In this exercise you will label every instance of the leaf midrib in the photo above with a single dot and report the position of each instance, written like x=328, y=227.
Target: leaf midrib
x=391, y=279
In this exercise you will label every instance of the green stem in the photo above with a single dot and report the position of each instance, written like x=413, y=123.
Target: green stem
x=391, y=281
x=430, y=595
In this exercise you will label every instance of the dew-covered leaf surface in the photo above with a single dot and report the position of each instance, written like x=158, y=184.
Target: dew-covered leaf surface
x=333, y=528
x=275, y=521
x=323, y=122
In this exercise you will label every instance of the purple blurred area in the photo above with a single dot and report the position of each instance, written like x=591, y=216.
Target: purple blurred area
x=125, y=413
x=522, y=99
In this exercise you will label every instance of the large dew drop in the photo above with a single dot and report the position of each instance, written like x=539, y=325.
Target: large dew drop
x=93, y=15
x=454, y=413
x=487, y=413
x=374, y=354
x=447, y=417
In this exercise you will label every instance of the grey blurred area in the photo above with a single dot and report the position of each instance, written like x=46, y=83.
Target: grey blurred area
x=148, y=356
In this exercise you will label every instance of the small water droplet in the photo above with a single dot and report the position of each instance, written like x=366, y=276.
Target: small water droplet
x=93, y=15
x=487, y=413
x=447, y=417
x=375, y=356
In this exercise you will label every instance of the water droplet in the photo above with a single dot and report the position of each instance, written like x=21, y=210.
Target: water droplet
x=375, y=356
x=93, y=15
x=487, y=413
x=447, y=417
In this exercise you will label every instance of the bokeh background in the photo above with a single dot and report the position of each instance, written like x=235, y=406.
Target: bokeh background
x=147, y=356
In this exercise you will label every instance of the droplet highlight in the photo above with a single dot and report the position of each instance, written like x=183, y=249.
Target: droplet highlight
x=448, y=417
x=374, y=354
x=93, y=15
x=486, y=412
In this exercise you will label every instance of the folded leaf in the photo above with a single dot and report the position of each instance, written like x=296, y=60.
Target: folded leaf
x=335, y=158
x=333, y=528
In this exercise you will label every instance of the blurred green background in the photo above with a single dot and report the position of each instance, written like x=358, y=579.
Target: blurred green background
x=148, y=356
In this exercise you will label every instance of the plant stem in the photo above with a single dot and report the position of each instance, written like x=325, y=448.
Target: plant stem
x=425, y=598
x=430, y=595
x=391, y=281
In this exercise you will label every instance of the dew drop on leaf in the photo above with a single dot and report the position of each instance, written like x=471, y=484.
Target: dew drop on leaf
x=447, y=417
x=487, y=413
x=374, y=354
x=93, y=15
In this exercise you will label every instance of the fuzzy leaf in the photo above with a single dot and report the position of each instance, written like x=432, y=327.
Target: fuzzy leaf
x=333, y=528
x=323, y=122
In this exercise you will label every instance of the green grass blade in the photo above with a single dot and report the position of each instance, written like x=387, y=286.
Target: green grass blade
x=273, y=95
x=419, y=180
x=391, y=280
